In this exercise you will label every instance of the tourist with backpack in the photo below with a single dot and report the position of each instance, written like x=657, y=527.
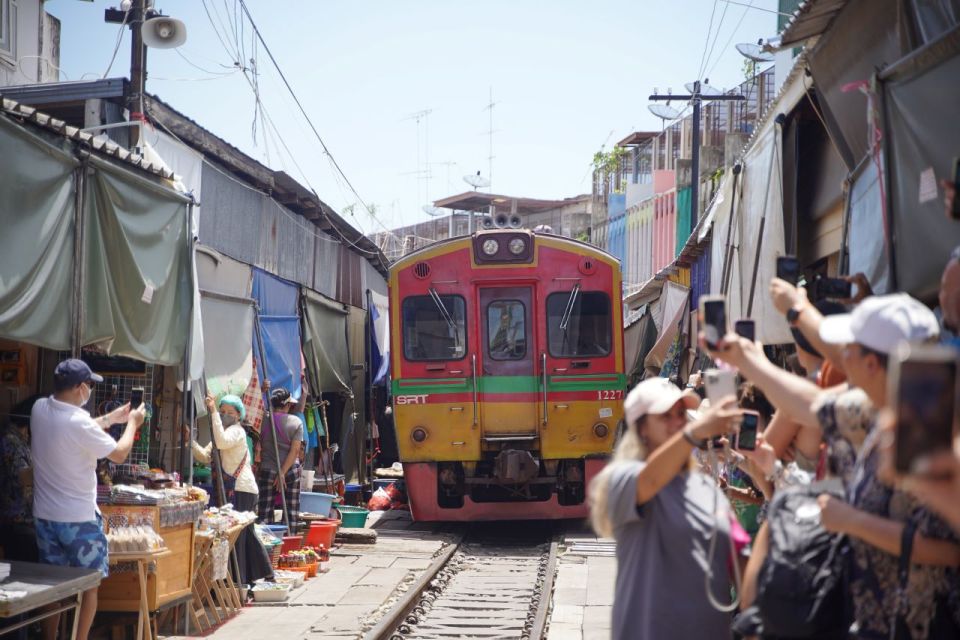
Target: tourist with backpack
x=671, y=522
x=902, y=570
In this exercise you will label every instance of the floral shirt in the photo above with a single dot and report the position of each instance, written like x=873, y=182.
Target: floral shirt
x=16, y=501
x=847, y=420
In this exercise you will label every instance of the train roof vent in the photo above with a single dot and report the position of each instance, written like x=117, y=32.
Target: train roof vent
x=421, y=270
x=588, y=266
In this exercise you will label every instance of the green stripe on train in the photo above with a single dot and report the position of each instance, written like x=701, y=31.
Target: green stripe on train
x=510, y=384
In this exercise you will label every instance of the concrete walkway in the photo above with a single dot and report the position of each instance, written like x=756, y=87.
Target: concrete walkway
x=353, y=594
x=583, y=590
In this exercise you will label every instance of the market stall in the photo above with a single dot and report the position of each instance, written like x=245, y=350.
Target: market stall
x=172, y=514
x=28, y=588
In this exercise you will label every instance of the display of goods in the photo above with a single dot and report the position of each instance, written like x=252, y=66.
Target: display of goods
x=223, y=518
x=302, y=557
x=270, y=592
x=198, y=494
x=135, y=495
x=319, y=552
x=293, y=578
x=133, y=540
x=174, y=515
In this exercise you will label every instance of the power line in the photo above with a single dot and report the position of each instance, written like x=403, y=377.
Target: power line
x=706, y=43
x=303, y=111
x=715, y=38
x=730, y=39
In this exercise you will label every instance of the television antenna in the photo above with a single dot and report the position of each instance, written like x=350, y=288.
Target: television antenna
x=423, y=164
x=706, y=91
x=754, y=52
x=490, y=132
x=476, y=181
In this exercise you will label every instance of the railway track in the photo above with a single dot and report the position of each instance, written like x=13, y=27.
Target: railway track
x=484, y=586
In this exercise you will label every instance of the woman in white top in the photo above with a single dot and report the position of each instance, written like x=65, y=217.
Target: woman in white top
x=230, y=438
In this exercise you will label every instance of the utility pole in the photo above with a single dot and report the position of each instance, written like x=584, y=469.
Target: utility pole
x=696, y=99
x=134, y=17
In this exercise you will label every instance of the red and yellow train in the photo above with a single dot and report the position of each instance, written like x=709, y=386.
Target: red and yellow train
x=508, y=374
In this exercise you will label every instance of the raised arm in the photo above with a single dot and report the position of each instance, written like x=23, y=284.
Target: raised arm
x=671, y=457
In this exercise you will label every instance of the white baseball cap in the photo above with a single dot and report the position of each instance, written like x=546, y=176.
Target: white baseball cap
x=654, y=397
x=881, y=323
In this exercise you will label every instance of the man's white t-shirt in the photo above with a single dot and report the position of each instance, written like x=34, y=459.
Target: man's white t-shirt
x=66, y=444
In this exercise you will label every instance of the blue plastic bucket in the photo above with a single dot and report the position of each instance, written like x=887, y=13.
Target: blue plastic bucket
x=317, y=503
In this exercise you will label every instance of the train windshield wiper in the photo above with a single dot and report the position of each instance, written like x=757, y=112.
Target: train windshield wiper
x=568, y=311
x=446, y=316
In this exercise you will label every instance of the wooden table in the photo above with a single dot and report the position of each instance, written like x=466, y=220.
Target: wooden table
x=45, y=584
x=144, y=626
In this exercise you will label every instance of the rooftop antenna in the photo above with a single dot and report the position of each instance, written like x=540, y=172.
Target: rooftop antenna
x=490, y=132
x=755, y=53
x=423, y=168
x=476, y=181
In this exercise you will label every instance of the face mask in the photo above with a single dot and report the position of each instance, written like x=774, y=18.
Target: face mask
x=85, y=398
x=228, y=420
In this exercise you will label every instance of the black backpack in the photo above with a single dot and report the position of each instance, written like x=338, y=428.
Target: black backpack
x=801, y=586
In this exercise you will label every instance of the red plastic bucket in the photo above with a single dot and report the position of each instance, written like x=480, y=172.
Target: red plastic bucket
x=322, y=533
x=291, y=543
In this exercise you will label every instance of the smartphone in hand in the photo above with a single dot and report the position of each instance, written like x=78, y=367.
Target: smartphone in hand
x=923, y=391
x=746, y=439
x=136, y=398
x=719, y=384
x=832, y=289
x=788, y=268
x=746, y=329
x=713, y=319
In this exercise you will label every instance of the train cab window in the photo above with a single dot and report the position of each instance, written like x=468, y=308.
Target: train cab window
x=434, y=327
x=506, y=330
x=578, y=324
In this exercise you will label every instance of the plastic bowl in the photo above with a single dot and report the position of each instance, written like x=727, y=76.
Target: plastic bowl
x=278, y=530
x=322, y=533
x=317, y=503
x=353, y=517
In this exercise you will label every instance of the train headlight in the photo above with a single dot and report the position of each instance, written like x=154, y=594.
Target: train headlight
x=490, y=246
x=419, y=434
x=517, y=246
x=600, y=430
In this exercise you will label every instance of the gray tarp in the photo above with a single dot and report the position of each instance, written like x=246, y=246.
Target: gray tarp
x=37, y=203
x=137, y=270
x=325, y=343
x=866, y=242
x=921, y=96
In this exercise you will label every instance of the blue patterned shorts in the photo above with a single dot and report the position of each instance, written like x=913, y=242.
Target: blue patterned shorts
x=73, y=544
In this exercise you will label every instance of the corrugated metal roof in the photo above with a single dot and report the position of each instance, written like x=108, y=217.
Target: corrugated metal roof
x=812, y=18
x=98, y=144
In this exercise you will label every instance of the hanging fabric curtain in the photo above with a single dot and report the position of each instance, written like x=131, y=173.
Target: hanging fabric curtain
x=674, y=304
x=325, y=343
x=37, y=202
x=280, y=324
x=138, y=282
x=226, y=302
x=920, y=97
x=380, y=327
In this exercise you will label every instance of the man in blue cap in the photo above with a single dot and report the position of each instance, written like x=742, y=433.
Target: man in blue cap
x=66, y=444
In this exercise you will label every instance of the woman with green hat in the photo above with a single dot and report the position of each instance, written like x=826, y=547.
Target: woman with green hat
x=229, y=436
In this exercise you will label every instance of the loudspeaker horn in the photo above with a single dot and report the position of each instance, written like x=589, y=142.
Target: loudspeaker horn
x=487, y=223
x=163, y=32
x=515, y=221
x=501, y=221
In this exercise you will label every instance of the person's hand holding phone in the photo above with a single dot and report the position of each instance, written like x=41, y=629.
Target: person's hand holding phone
x=733, y=350
x=138, y=415
x=120, y=415
x=863, y=288
x=786, y=296
x=718, y=420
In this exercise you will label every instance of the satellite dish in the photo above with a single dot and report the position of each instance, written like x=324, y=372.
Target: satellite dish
x=705, y=90
x=664, y=112
x=754, y=52
x=163, y=32
x=431, y=210
x=476, y=181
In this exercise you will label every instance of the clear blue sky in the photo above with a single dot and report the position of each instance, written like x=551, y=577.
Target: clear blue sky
x=566, y=76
